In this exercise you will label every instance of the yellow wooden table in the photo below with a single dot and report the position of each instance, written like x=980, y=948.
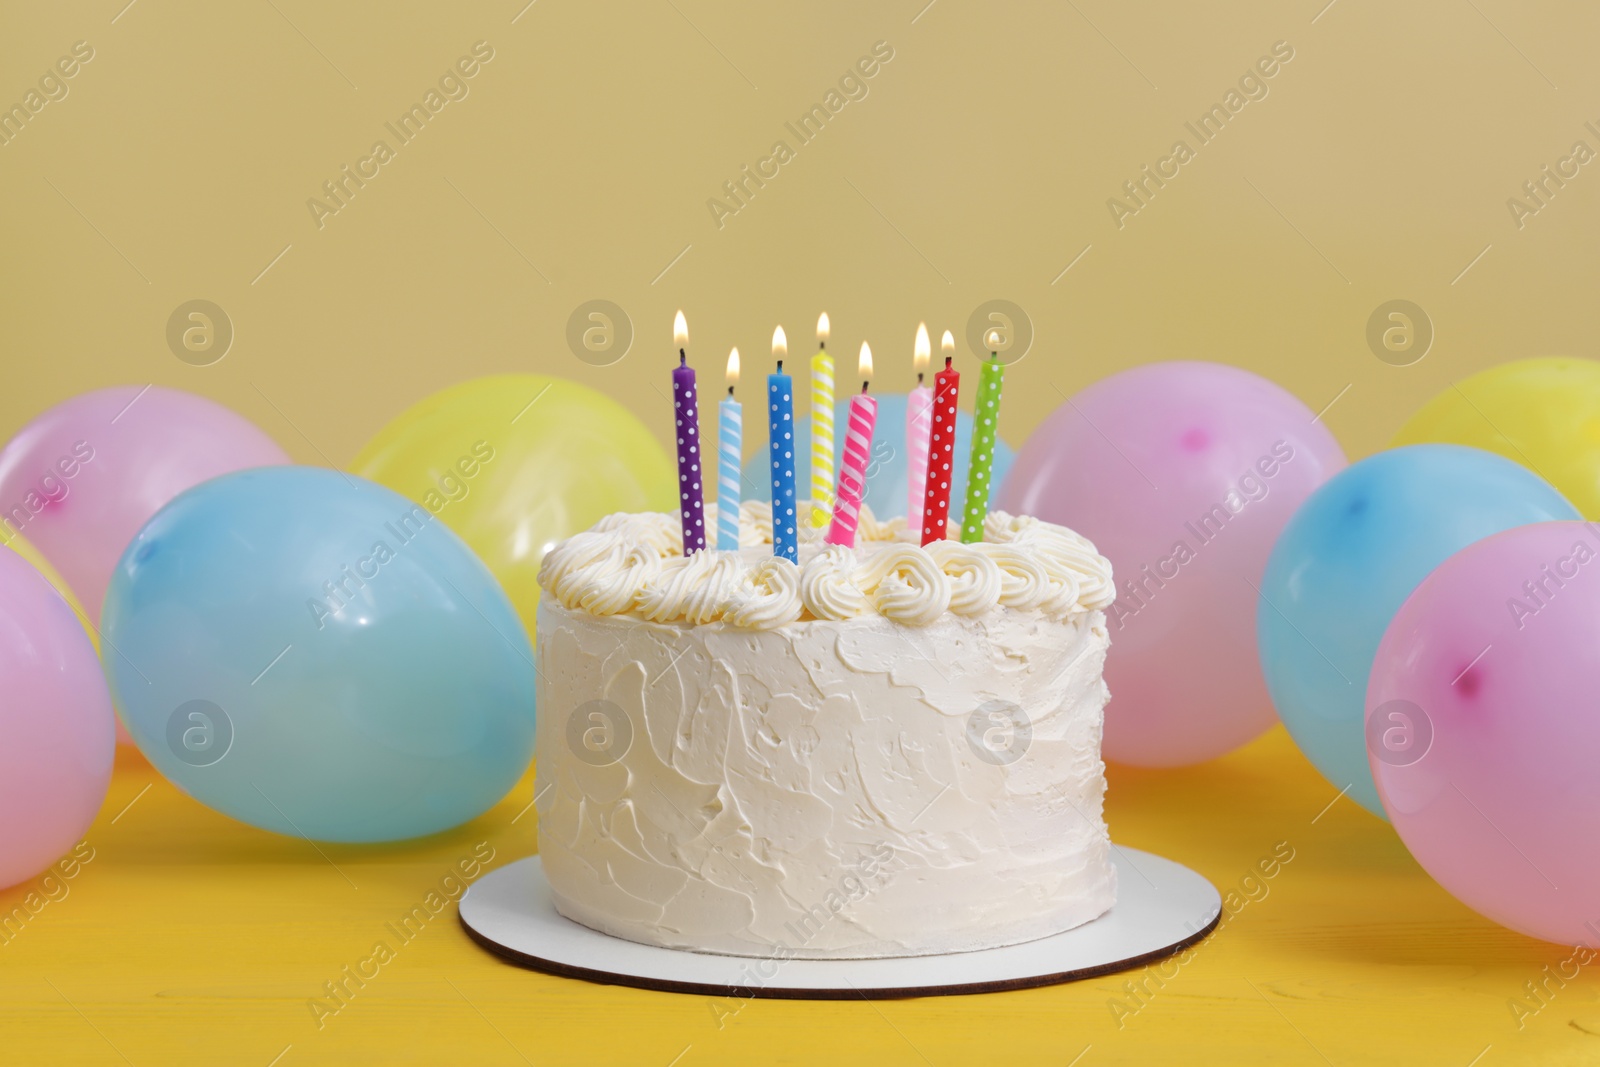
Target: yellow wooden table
x=183, y=937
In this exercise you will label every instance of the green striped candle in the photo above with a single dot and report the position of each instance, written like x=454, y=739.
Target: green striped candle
x=980, y=470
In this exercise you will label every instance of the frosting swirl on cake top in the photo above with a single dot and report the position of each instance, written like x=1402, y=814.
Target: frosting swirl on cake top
x=633, y=564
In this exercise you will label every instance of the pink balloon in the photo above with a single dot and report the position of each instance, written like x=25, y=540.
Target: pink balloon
x=82, y=478
x=1483, y=728
x=1183, y=475
x=56, y=735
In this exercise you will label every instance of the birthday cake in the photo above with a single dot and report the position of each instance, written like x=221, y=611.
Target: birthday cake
x=886, y=750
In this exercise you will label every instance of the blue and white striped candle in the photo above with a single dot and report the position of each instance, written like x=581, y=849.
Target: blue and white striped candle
x=780, y=422
x=730, y=454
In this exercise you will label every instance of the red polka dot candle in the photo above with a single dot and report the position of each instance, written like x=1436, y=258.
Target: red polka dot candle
x=686, y=409
x=941, y=454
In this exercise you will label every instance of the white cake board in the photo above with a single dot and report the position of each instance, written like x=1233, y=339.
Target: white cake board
x=1162, y=907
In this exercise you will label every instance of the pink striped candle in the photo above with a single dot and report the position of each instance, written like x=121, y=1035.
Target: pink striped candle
x=919, y=427
x=857, y=454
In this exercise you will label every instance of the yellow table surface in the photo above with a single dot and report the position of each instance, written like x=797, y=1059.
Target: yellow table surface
x=189, y=938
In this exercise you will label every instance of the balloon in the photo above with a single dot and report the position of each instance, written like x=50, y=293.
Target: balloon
x=56, y=728
x=887, y=479
x=80, y=479
x=1182, y=474
x=21, y=546
x=313, y=654
x=1542, y=413
x=516, y=463
x=1482, y=728
x=1352, y=553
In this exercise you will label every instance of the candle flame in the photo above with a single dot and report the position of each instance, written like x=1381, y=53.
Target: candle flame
x=921, y=351
x=822, y=328
x=780, y=343
x=866, y=361
x=992, y=339
x=733, y=367
x=947, y=344
x=680, y=331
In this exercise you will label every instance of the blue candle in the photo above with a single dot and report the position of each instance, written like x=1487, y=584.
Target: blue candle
x=780, y=418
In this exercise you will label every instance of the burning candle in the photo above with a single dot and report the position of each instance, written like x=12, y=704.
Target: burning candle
x=730, y=451
x=780, y=422
x=919, y=424
x=857, y=453
x=691, y=499
x=941, y=452
x=985, y=425
x=821, y=427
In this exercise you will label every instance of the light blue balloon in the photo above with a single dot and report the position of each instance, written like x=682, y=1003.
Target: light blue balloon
x=316, y=655
x=1346, y=561
x=887, y=480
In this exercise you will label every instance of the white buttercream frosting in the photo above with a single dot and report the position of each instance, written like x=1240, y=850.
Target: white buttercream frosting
x=888, y=750
x=634, y=565
x=825, y=788
x=828, y=585
x=768, y=595
x=974, y=578
x=906, y=584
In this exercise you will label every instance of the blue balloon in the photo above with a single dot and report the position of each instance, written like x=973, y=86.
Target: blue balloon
x=1347, y=560
x=316, y=655
x=887, y=480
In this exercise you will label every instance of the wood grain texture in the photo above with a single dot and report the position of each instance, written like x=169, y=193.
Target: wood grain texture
x=188, y=938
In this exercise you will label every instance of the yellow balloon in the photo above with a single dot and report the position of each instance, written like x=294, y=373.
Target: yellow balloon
x=517, y=462
x=22, y=547
x=1542, y=413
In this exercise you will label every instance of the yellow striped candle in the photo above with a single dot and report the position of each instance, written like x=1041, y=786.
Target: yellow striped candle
x=821, y=428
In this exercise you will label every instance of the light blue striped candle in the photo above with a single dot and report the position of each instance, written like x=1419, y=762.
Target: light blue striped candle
x=730, y=449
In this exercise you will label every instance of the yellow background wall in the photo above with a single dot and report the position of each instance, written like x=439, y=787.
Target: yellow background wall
x=978, y=166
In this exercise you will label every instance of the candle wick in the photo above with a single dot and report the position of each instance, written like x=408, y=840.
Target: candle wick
x=947, y=361
x=683, y=358
x=780, y=366
x=730, y=391
x=919, y=377
x=822, y=345
x=863, y=387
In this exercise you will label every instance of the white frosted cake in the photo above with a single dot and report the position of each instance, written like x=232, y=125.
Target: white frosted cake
x=883, y=751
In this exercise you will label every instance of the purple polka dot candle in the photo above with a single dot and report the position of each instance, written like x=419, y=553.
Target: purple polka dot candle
x=686, y=410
